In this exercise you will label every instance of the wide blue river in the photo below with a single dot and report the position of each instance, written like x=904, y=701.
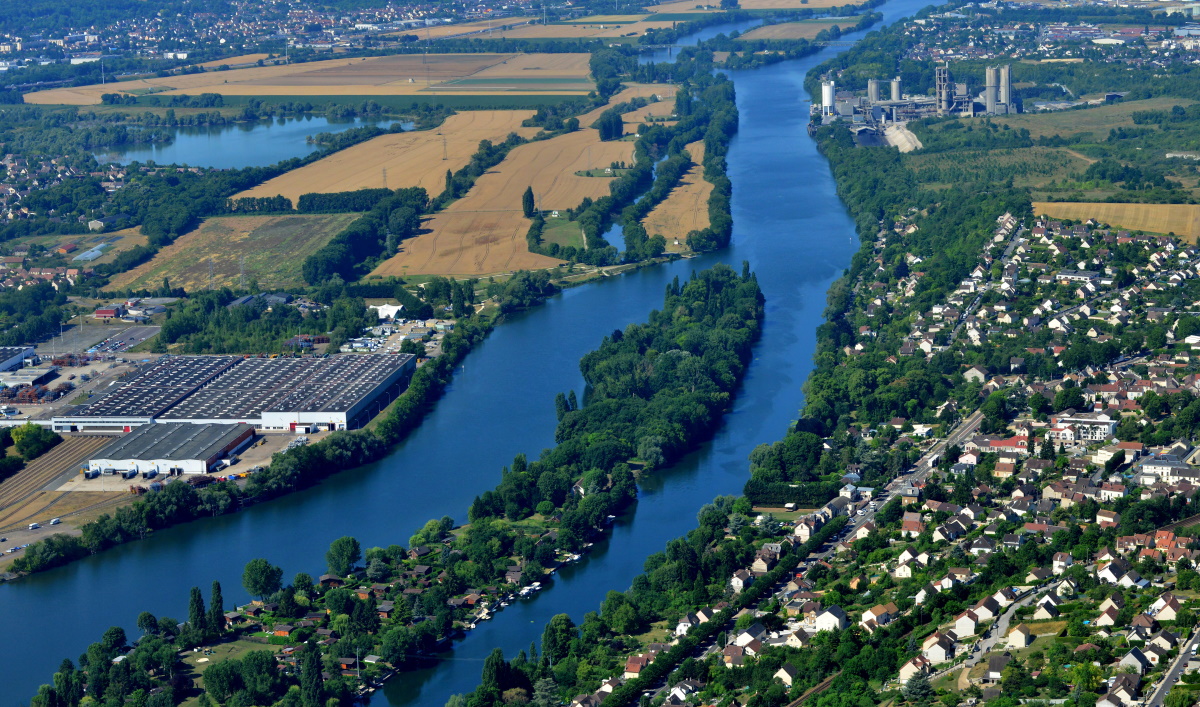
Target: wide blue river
x=790, y=226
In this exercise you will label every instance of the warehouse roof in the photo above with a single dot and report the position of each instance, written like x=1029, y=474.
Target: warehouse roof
x=173, y=441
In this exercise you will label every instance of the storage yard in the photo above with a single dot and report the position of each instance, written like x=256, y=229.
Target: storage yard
x=338, y=392
x=395, y=75
x=411, y=159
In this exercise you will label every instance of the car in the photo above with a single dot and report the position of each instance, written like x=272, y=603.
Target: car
x=862, y=513
x=55, y=521
x=34, y=526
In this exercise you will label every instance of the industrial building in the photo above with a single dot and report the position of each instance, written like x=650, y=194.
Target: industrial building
x=332, y=393
x=172, y=449
x=874, y=111
x=14, y=357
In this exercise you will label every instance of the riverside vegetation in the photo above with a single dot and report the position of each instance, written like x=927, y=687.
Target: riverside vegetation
x=656, y=390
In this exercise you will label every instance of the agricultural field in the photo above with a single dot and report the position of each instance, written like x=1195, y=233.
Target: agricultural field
x=234, y=60
x=1181, y=219
x=684, y=6
x=273, y=249
x=686, y=208
x=484, y=232
x=1097, y=120
x=649, y=113
x=562, y=231
x=396, y=75
x=788, y=4
x=412, y=159
x=664, y=92
x=528, y=73
x=807, y=29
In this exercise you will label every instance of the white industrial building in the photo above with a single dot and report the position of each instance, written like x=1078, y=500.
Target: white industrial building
x=172, y=449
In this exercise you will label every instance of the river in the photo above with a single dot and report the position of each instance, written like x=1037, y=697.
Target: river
x=797, y=237
x=256, y=143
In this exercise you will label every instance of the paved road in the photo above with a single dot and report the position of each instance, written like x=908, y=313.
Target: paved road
x=1172, y=675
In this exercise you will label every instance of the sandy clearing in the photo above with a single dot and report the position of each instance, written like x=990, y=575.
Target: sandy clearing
x=1181, y=219
x=686, y=208
x=234, y=60
x=900, y=137
x=484, y=232
x=794, y=30
x=413, y=159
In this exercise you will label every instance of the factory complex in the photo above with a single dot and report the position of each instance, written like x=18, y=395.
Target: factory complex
x=271, y=394
x=950, y=99
x=170, y=449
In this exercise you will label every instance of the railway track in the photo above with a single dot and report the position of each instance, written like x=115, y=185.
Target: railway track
x=41, y=471
x=41, y=511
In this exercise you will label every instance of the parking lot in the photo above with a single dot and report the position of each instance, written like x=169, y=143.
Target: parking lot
x=106, y=338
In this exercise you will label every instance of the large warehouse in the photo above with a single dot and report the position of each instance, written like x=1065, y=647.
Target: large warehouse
x=172, y=449
x=333, y=393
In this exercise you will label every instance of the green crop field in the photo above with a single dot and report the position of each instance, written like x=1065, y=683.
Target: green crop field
x=1027, y=166
x=271, y=249
x=1098, y=120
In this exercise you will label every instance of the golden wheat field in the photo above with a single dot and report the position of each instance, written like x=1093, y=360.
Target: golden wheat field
x=1181, y=219
x=234, y=60
x=396, y=75
x=686, y=208
x=794, y=30
x=484, y=232
x=683, y=6
x=413, y=159
x=661, y=109
x=631, y=91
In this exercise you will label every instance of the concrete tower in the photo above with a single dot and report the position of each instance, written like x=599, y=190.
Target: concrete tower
x=1006, y=87
x=896, y=89
x=873, y=90
x=827, y=92
x=992, y=76
x=945, y=98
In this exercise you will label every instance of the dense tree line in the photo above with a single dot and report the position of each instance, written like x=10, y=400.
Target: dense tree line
x=375, y=235
x=327, y=203
x=654, y=391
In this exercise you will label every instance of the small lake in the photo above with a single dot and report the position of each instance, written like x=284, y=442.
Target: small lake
x=238, y=145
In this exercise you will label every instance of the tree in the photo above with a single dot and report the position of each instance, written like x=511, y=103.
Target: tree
x=545, y=693
x=918, y=688
x=343, y=554
x=147, y=624
x=196, y=616
x=216, y=609
x=261, y=579
x=557, y=637
x=312, y=686
x=527, y=203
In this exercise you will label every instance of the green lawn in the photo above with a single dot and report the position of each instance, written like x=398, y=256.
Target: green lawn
x=563, y=232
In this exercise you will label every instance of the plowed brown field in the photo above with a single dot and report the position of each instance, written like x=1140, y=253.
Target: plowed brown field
x=484, y=232
x=686, y=208
x=413, y=159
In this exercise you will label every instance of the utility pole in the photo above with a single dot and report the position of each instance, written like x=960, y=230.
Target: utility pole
x=445, y=153
x=210, y=273
x=242, y=272
x=385, y=177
